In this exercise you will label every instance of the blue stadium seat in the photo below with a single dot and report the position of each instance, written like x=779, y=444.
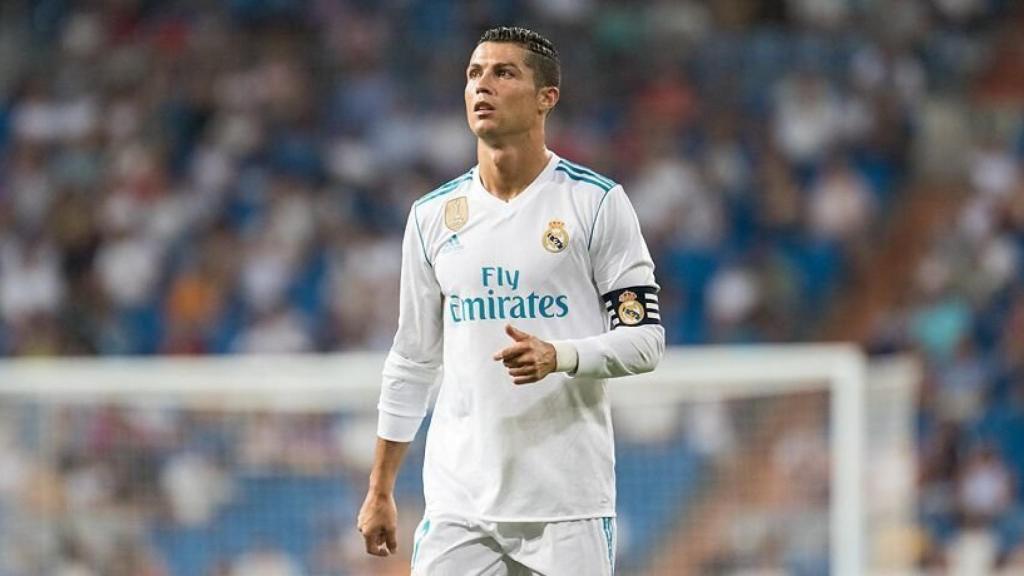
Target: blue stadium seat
x=656, y=484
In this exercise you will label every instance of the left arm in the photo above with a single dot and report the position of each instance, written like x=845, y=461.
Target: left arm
x=624, y=274
x=615, y=353
x=632, y=350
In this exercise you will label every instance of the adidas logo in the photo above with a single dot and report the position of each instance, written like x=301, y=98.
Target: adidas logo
x=451, y=244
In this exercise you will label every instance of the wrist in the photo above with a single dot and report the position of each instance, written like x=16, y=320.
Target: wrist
x=566, y=357
x=378, y=494
x=380, y=490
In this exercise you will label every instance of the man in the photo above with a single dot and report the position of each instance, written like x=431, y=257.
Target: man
x=527, y=278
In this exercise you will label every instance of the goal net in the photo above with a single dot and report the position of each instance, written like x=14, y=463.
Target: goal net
x=768, y=460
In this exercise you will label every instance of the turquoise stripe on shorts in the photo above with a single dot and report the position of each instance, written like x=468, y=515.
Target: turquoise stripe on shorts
x=420, y=533
x=609, y=537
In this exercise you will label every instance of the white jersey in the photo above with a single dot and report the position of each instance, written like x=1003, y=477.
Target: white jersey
x=471, y=264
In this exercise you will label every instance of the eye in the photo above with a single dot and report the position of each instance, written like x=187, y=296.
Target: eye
x=504, y=73
x=473, y=73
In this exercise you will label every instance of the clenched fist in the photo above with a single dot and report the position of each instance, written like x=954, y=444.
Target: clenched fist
x=378, y=523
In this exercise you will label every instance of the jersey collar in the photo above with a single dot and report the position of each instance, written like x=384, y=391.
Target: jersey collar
x=545, y=175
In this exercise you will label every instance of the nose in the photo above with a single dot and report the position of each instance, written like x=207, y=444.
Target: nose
x=483, y=84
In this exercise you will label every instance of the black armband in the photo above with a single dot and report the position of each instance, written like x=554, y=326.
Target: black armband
x=633, y=306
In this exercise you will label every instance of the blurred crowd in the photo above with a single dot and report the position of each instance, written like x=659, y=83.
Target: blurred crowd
x=962, y=312
x=185, y=177
x=159, y=491
x=188, y=178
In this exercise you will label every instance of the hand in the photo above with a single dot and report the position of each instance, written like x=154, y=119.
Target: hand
x=529, y=359
x=378, y=522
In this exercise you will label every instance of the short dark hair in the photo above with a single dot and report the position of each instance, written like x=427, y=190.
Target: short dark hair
x=541, y=55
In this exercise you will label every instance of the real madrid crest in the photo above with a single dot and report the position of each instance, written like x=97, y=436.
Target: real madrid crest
x=556, y=237
x=456, y=213
x=631, y=311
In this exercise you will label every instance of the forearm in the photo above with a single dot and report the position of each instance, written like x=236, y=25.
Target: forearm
x=403, y=403
x=621, y=352
x=387, y=460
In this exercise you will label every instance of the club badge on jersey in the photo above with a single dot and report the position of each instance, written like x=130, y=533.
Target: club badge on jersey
x=633, y=306
x=556, y=237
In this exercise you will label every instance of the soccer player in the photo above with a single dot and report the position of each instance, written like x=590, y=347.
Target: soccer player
x=528, y=280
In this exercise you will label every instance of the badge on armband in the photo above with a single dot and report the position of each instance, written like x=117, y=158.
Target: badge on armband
x=633, y=306
x=631, y=312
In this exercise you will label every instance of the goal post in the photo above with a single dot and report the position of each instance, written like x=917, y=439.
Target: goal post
x=705, y=373
x=867, y=408
x=853, y=386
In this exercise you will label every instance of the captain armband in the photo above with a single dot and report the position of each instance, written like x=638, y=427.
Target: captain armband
x=632, y=306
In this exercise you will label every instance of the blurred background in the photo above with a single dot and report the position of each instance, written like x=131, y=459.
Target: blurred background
x=217, y=178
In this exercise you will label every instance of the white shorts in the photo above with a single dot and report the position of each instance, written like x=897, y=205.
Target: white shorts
x=447, y=545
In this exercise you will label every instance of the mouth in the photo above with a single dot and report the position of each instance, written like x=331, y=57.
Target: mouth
x=483, y=108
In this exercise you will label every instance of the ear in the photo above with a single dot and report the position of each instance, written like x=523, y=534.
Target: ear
x=547, y=97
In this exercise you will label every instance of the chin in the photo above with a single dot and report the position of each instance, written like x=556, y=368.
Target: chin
x=483, y=129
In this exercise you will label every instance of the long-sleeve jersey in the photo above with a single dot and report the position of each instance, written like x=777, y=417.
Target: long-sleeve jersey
x=565, y=261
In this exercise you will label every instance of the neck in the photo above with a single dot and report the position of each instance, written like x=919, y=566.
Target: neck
x=507, y=168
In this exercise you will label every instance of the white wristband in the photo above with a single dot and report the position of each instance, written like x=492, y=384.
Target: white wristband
x=566, y=357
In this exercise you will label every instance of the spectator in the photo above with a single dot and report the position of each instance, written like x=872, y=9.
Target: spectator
x=985, y=488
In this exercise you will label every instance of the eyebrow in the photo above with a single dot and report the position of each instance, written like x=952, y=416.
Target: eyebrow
x=496, y=65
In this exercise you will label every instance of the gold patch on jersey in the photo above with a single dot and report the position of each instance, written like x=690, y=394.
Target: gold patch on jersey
x=631, y=311
x=556, y=237
x=456, y=213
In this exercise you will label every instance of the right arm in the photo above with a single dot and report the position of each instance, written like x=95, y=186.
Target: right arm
x=378, y=518
x=409, y=371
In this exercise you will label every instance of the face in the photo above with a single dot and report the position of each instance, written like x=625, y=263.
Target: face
x=501, y=98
